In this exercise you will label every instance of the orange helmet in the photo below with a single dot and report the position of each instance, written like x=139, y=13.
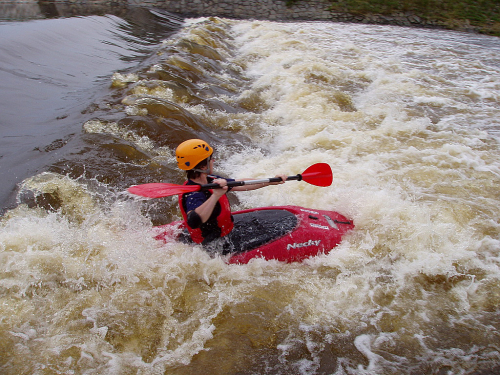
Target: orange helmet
x=189, y=153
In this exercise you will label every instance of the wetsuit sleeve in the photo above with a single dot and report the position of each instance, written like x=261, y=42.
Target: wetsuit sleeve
x=193, y=219
x=191, y=202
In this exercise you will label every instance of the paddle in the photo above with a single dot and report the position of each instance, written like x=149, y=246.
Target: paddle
x=319, y=174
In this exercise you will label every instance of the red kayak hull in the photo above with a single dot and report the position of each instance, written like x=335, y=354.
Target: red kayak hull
x=315, y=232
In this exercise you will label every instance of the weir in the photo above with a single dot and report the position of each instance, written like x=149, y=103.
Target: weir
x=407, y=118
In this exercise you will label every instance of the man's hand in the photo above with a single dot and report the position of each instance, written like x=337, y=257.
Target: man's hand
x=223, y=190
x=283, y=179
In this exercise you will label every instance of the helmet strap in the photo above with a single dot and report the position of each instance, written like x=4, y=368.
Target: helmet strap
x=206, y=171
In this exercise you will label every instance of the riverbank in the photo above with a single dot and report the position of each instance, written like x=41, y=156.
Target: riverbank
x=367, y=12
x=316, y=10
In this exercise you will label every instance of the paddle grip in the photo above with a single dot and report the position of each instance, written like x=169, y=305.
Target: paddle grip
x=250, y=182
x=210, y=186
x=217, y=186
x=289, y=178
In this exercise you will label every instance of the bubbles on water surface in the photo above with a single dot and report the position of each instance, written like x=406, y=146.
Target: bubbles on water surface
x=414, y=289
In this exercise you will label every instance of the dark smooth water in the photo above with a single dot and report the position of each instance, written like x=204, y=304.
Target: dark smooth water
x=52, y=71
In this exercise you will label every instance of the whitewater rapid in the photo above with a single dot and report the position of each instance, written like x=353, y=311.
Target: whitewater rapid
x=408, y=120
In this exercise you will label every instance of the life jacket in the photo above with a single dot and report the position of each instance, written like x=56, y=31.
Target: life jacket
x=224, y=219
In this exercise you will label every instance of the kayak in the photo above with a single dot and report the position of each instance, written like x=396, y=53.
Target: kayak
x=283, y=233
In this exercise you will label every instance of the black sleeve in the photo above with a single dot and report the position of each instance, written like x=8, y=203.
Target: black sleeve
x=193, y=219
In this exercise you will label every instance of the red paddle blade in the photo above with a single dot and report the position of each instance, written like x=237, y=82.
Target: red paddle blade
x=159, y=189
x=319, y=174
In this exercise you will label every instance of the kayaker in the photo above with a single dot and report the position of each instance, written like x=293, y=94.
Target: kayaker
x=207, y=214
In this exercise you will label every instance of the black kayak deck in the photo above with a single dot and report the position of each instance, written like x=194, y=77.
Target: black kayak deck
x=257, y=228
x=251, y=230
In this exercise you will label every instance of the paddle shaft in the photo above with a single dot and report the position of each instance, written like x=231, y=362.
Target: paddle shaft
x=319, y=174
x=250, y=182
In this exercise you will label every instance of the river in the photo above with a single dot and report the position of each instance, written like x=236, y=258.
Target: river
x=408, y=119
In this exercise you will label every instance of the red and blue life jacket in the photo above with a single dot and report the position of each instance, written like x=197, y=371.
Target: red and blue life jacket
x=224, y=219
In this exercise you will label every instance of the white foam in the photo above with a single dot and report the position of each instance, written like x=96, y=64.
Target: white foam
x=393, y=112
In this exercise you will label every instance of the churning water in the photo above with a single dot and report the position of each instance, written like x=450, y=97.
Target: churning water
x=409, y=121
